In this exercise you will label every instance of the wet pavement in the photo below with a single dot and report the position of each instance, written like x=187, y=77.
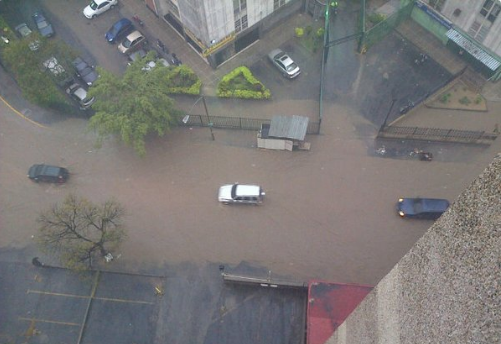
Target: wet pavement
x=309, y=225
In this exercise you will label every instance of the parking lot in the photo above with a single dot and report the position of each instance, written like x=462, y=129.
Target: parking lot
x=52, y=305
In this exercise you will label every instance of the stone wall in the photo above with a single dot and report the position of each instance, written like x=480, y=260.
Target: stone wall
x=447, y=288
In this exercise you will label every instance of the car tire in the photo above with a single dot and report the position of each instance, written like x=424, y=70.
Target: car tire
x=94, y=16
x=112, y=7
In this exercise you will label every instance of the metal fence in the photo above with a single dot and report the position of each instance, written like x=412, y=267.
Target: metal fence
x=240, y=123
x=437, y=134
x=381, y=29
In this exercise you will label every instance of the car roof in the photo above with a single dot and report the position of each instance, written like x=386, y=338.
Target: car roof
x=122, y=22
x=419, y=205
x=134, y=35
x=99, y=2
x=23, y=29
x=246, y=190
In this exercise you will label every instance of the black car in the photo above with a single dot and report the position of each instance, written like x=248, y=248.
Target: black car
x=43, y=25
x=425, y=208
x=48, y=173
x=85, y=71
x=120, y=29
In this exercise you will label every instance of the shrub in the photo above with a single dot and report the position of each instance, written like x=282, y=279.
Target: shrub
x=182, y=80
x=478, y=99
x=240, y=83
x=376, y=18
x=299, y=32
x=320, y=32
x=465, y=100
x=444, y=98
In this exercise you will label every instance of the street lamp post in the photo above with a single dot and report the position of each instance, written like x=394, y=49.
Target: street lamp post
x=209, y=123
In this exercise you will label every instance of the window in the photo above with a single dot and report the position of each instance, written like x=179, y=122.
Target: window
x=436, y=4
x=244, y=22
x=478, y=31
x=490, y=10
x=494, y=13
x=238, y=25
x=487, y=7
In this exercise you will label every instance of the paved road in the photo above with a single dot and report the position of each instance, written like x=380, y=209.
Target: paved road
x=311, y=225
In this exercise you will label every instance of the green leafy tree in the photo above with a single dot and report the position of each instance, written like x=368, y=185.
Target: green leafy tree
x=134, y=105
x=77, y=230
x=36, y=85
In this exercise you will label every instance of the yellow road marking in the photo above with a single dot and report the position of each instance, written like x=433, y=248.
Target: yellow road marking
x=21, y=115
x=29, y=291
x=49, y=321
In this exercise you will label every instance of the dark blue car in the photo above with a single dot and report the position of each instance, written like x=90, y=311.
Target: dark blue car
x=424, y=208
x=121, y=28
x=43, y=25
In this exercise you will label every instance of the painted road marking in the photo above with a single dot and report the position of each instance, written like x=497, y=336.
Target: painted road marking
x=29, y=291
x=21, y=115
x=50, y=321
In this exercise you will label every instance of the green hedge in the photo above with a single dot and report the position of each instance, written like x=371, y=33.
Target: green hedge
x=231, y=86
x=183, y=80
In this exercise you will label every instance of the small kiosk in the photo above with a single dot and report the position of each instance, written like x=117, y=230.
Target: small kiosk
x=284, y=133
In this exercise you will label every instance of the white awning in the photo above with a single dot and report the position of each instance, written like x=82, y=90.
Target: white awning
x=473, y=49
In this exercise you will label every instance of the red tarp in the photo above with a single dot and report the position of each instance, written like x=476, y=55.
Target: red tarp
x=329, y=304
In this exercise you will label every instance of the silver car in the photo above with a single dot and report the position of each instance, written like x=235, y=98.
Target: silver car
x=79, y=94
x=284, y=63
x=240, y=193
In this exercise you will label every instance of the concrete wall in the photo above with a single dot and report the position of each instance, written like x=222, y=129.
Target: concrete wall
x=447, y=288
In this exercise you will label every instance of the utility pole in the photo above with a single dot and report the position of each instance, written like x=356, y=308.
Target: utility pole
x=209, y=123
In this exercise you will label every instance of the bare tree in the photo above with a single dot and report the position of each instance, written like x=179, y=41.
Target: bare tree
x=78, y=230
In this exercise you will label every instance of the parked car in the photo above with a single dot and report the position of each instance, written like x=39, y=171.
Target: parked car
x=425, y=208
x=43, y=25
x=85, y=71
x=79, y=94
x=96, y=7
x=132, y=42
x=136, y=55
x=48, y=173
x=240, y=193
x=24, y=31
x=284, y=63
x=120, y=29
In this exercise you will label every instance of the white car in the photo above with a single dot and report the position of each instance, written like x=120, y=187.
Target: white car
x=239, y=193
x=284, y=63
x=96, y=7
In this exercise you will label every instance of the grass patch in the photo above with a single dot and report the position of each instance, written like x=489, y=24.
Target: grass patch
x=182, y=80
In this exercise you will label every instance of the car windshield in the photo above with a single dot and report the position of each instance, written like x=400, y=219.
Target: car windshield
x=42, y=24
x=93, y=5
x=127, y=43
x=291, y=67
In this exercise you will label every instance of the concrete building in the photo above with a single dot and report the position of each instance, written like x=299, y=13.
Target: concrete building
x=219, y=29
x=471, y=28
x=447, y=288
